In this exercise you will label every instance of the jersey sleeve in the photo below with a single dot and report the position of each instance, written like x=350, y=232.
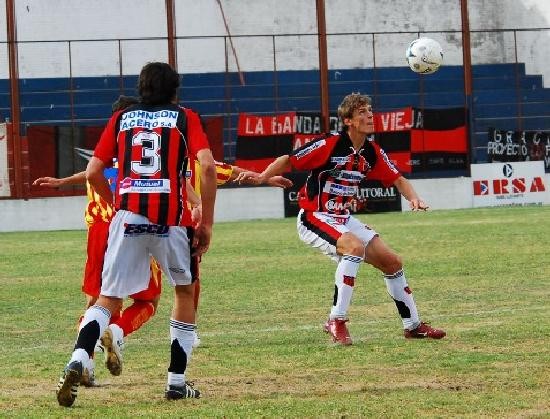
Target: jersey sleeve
x=196, y=137
x=223, y=173
x=312, y=155
x=105, y=149
x=383, y=170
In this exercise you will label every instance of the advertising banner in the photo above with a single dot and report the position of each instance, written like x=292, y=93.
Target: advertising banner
x=416, y=140
x=509, y=146
x=513, y=183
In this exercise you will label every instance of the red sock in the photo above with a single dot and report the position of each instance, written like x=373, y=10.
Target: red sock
x=197, y=293
x=135, y=316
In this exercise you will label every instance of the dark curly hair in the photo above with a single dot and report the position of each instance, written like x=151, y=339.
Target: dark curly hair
x=158, y=83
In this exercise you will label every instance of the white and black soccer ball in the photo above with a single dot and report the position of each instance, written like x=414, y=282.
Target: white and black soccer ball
x=424, y=55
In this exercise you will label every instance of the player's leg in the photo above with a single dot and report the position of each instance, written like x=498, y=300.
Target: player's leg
x=143, y=307
x=125, y=257
x=331, y=235
x=174, y=256
x=98, y=233
x=382, y=257
x=95, y=321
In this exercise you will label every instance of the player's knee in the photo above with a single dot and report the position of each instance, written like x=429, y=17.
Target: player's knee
x=392, y=264
x=349, y=244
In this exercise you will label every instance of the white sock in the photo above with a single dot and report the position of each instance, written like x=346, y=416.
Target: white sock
x=402, y=296
x=344, y=281
x=182, y=336
x=89, y=333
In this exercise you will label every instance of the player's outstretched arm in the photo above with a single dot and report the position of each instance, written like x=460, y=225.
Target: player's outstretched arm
x=251, y=178
x=406, y=189
x=279, y=166
x=54, y=182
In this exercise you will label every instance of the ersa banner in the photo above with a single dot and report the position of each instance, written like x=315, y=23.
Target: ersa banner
x=511, y=146
x=507, y=184
x=371, y=196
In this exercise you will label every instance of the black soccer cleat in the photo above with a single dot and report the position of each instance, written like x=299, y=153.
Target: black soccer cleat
x=182, y=392
x=67, y=387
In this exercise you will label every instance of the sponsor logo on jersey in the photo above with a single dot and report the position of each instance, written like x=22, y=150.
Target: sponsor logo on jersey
x=340, y=160
x=129, y=185
x=340, y=190
x=313, y=146
x=148, y=120
x=333, y=206
x=349, y=175
x=132, y=230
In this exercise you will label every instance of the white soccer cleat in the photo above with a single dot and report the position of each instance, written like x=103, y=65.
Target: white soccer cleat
x=113, y=341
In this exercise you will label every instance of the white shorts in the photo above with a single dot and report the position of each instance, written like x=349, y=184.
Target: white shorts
x=322, y=230
x=133, y=239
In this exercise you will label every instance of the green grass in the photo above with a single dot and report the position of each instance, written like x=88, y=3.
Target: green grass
x=481, y=274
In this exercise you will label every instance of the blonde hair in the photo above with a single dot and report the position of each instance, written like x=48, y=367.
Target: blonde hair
x=352, y=102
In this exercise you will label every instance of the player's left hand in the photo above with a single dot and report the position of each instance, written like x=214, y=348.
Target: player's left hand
x=418, y=204
x=279, y=182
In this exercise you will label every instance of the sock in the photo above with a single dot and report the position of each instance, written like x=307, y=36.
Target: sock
x=344, y=281
x=94, y=323
x=182, y=336
x=402, y=295
x=135, y=316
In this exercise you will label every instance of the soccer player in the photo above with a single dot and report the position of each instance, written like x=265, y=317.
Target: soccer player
x=98, y=215
x=337, y=164
x=152, y=142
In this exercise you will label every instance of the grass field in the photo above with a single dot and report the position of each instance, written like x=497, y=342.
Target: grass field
x=481, y=274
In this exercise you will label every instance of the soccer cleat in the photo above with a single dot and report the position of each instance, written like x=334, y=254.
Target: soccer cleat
x=67, y=387
x=113, y=351
x=196, y=340
x=339, y=331
x=88, y=375
x=424, y=330
x=181, y=392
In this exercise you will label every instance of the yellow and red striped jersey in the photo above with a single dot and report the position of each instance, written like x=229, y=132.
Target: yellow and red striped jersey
x=97, y=209
x=223, y=174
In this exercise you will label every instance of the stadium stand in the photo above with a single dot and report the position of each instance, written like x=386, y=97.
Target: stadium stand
x=504, y=96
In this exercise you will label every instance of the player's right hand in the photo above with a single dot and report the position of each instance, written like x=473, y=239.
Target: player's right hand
x=248, y=177
x=201, y=239
x=50, y=182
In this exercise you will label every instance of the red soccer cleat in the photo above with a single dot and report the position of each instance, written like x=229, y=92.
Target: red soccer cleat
x=339, y=331
x=424, y=331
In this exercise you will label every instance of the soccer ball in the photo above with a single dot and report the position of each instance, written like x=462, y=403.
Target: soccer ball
x=424, y=55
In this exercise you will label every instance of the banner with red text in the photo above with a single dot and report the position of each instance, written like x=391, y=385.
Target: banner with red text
x=415, y=140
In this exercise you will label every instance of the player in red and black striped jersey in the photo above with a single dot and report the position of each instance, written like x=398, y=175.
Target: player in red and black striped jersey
x=152, y=142
x=338, y=163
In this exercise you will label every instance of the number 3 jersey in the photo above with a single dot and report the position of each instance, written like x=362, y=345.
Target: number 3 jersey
x=152, y=145
x=336, y=171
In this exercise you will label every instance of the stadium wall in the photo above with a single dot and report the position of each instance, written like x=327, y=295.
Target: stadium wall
x=232, y=204
x=94, y=29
